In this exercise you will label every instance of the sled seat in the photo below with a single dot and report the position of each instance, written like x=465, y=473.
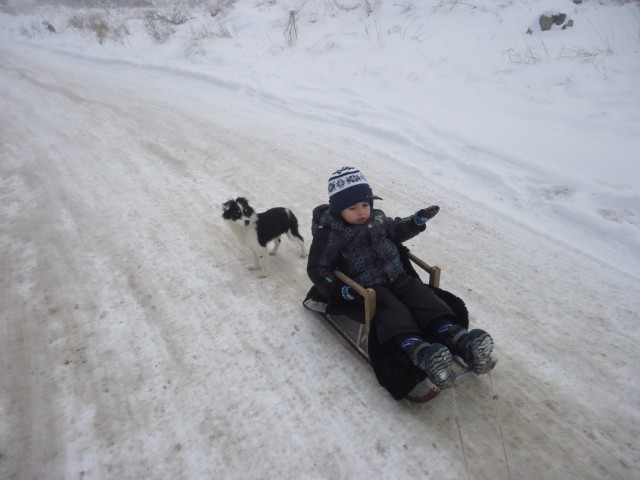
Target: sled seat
x=369, y=294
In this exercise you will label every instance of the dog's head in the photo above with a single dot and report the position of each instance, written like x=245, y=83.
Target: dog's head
x=238, y=210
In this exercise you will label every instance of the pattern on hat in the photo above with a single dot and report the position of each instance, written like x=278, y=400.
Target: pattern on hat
x=347, y=187
x=343, y=178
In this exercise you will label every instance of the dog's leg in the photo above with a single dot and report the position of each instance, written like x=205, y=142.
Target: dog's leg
x=260, y=256
x=299, y=241
x=264, y=263
x=257, y=250
x=261, y=262
x=276, y=246
x=294, y=234
x=256, y=261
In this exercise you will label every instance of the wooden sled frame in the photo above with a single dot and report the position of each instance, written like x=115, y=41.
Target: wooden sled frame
x=369, y=296
x=425, y=390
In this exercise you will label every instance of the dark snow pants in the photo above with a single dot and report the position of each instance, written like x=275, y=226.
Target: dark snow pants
x=407, y=306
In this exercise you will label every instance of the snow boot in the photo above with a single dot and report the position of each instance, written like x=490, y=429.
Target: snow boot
x=435, y=360
x=473, y=347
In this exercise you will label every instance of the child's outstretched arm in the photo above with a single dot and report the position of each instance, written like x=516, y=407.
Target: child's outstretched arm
x=403, y=229
x=424, y=215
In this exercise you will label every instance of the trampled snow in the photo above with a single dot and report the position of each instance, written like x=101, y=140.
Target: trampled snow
x=136, y=343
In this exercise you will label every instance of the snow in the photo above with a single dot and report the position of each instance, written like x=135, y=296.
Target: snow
x=137, y=344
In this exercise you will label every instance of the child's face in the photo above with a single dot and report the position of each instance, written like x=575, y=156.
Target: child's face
x=357, y=214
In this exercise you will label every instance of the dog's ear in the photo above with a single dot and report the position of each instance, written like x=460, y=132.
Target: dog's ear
x=226, y=205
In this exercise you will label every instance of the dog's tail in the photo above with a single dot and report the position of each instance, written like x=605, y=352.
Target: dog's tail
x=294, y=225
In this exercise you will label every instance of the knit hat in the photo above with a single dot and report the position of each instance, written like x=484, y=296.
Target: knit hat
x=347, y=186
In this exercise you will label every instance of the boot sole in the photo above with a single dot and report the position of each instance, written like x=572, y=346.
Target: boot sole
x=436, y=364
x=481, y=348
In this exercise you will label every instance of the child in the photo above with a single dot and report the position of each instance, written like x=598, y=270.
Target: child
x=350, y=235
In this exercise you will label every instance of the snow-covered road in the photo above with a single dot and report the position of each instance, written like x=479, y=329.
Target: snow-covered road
x=136, y=344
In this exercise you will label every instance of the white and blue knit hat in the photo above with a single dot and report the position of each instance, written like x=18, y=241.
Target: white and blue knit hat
x=347, y=186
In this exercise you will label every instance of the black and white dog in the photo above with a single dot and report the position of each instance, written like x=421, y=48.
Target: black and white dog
x=256, y=230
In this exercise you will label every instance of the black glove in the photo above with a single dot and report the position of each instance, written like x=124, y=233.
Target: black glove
x=348, y=293
x=421, y=216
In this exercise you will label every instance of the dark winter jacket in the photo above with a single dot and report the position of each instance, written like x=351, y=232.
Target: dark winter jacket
x=367, y=252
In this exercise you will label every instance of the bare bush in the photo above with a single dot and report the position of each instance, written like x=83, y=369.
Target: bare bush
x=537, y=53
x=176, y=17
x=204, y=33
x=583, y=52
x=334, y=7
x=30, y=31
x=160, y=25
x=291, y=30
x=527, y=54
x=453, y=3
x=160, y=32
x=223, y=32
x=221, y=6
x=97, y=23
x=346, y=7
x=368, y=7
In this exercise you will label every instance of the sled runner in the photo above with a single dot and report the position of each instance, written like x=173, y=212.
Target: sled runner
x=353, y=320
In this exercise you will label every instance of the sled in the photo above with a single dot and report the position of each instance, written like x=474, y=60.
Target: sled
x=354, y=327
